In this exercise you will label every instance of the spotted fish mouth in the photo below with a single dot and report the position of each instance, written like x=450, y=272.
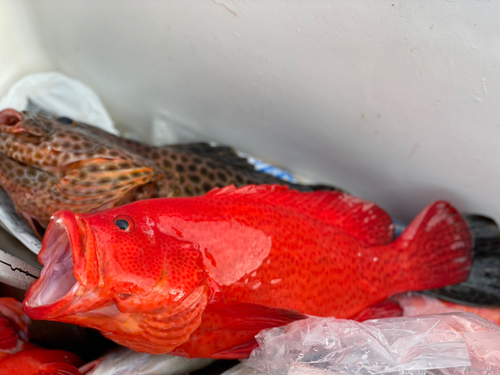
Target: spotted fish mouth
x=57, y=286
x=10, y=117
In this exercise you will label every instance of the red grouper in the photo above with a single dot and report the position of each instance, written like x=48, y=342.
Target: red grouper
x=201, y=276
x=20, y=357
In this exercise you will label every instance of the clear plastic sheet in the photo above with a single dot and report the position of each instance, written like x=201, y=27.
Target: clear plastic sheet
x=459, y=343
x=124, y=361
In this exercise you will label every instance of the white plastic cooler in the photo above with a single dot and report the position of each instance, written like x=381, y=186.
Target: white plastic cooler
x=397, y=102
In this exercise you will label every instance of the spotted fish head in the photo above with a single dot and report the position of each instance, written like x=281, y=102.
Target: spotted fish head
x=49, y=164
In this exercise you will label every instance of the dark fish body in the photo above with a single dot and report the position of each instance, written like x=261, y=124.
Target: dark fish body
x=49, y=164
x=196, y=168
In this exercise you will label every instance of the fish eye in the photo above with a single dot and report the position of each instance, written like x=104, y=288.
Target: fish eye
x=125, y=223
x=65, y=120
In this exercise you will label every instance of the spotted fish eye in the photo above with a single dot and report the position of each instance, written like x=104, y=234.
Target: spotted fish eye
x=65, y=120
x=124, y=223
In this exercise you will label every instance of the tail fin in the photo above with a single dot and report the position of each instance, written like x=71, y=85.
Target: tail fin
x=482, y=287
x=486, y=235
x=435, y=249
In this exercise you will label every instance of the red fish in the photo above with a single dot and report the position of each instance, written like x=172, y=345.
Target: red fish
x=200, y=276
x=18, y=356
x=39, y=361
x=14, y=324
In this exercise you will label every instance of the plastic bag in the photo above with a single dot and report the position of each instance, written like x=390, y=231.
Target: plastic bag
x=462, y=343
x=54, y=93
x=124, y=361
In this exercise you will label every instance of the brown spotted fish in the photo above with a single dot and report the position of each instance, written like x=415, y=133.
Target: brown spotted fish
x=49, y=164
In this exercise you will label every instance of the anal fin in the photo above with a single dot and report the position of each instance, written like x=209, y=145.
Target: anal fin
x=239, y=351
x=228, y=331
x=249, y=316
x=58, y=368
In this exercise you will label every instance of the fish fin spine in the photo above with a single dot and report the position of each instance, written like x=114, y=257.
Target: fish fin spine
x=58, y=368
x=238, y=352
x=8, y=336
x=435, y=250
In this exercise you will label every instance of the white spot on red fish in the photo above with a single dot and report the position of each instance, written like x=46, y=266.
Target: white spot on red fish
x=457, y=245
x=275, y=281
x=256, y=285
x=367, y=207
x=254, y=274
x=375, y=259
x=460, y=260
x=147, y=229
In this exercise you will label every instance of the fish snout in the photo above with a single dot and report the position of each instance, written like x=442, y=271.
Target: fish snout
x=10, y=117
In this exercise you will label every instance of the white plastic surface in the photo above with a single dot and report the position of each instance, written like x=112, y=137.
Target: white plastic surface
x=397, y=102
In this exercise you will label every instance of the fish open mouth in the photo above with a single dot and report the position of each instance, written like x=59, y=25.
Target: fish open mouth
x=10, y=117
x=57, y=284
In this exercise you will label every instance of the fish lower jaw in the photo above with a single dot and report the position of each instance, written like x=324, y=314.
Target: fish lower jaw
x=57, y=284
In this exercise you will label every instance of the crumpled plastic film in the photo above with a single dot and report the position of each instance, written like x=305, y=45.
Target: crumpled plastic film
x=124, y=361
x=54, y=93
x=459, y=343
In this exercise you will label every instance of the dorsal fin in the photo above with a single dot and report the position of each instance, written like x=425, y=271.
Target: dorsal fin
x=222, y=154
x=358, y=218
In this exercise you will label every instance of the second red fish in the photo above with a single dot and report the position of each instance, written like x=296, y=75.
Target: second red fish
x=201, y=276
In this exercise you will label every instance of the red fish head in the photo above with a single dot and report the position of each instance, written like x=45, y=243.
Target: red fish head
x=114, y=271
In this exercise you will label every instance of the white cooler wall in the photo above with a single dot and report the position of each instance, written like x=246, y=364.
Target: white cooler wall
x=396, y=102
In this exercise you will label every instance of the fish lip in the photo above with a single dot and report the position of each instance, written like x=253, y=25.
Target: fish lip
x=8, y=115
x=49, y=296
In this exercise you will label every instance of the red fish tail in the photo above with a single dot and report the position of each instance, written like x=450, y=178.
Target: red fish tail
x=435, y=250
